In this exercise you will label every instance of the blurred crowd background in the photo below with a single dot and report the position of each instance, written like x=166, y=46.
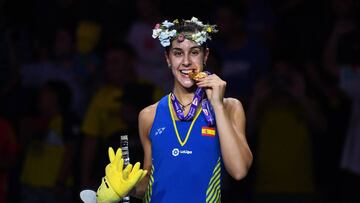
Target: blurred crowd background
x=74, y=75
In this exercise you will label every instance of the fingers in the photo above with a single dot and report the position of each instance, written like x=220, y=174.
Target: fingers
x=119, y=161
x=118, y=156
x=211, y=81
x=135, y=170
x=130, y=173
x=118, y=153
x=209, y=84
x=136, y=167
x=116, y=161
x=120, y=165
x=136, y=176
x=209, y=78
x=144, y=172
x=127, y=171
x=111, y=154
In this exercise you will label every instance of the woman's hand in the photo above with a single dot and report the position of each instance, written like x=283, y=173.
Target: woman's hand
x=215, y=89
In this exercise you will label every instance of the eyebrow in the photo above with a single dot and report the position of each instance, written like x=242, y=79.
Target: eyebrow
x=179, y=49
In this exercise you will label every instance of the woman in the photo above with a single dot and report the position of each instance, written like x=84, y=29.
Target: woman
x=188, y=136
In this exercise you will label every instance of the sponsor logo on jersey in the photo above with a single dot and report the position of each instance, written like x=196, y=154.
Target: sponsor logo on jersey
x=176, y=152
x=159, y=131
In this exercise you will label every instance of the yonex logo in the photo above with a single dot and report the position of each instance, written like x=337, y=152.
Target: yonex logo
x=159, y=131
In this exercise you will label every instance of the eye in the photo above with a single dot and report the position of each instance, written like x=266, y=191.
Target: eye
x=177, y=53
x=195, y=52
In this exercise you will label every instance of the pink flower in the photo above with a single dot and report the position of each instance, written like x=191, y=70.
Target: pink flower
x=180, y=38
x=157, y=26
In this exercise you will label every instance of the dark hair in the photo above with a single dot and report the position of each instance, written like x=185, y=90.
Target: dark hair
x=185, y=27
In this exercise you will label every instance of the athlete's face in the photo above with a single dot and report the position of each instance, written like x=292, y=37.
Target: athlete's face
x=185, y=57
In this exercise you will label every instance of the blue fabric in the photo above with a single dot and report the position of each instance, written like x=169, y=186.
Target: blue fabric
x=181, y=173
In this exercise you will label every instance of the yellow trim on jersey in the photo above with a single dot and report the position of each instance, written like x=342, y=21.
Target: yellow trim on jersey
x=148, y=193
x=213, y=193
x=182, y=143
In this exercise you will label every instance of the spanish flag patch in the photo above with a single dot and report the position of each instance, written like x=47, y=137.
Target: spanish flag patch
x=208, y=131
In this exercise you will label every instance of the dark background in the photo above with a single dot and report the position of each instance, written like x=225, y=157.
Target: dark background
x=293, y=51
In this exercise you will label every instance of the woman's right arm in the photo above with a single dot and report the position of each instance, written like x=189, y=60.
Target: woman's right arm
x=146, y=119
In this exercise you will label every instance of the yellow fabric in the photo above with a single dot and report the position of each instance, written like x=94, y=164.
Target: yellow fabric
x=117, y=179
x=106, y=194
x=284, y=153
x=104, y=114
x=87, y=36
x=43, y=160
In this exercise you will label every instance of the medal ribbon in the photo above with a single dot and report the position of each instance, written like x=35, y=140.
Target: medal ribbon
x=205, y=104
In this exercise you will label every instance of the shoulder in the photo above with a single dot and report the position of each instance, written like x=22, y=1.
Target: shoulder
x=148, y=111
x=234, y=109
x=146, y=118
x=232, y=104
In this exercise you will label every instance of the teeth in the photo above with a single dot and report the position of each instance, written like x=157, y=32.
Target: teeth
x=186, y=71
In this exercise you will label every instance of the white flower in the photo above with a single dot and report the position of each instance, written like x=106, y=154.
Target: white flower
x=196, y=21
x=165, y=36
x=196, y=35
x=156, y=33
x=162, y=32
x=165, y=42
x=167, y=24
x=172, y=33
x=199, y=37
x=200, y=40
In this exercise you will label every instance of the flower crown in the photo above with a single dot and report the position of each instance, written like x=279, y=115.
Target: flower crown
x=165, y=35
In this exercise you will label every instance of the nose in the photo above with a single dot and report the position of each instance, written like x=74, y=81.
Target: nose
x=186, y=61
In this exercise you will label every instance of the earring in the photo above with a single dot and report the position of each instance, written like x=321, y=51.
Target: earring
x=169, y=65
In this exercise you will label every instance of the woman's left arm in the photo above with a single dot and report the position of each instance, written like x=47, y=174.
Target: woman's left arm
x=230, y=123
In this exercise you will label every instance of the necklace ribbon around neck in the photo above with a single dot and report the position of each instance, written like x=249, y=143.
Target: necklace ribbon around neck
x=198, y=98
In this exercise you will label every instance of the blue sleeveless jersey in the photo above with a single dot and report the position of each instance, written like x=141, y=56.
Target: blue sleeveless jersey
x=186, y=169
